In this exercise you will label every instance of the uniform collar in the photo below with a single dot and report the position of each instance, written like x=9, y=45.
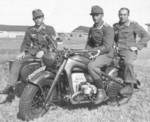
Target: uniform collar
x=43, y=27
x=99, y=25
x=126, y=23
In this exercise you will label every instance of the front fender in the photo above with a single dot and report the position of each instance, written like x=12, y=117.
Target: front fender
x=40, y=76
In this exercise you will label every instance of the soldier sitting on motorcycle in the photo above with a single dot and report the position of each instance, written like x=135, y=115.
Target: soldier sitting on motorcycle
x=100, y=39
x=125, y=38
x=34, y=45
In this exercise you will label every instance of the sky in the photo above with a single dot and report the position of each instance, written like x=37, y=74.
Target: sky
x=66, y=15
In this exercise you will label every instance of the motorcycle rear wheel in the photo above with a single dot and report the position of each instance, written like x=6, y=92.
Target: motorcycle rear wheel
x=31, y=102
x=120, y=101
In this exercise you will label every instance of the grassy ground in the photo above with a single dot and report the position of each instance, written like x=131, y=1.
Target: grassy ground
x=137, y=110
x=9, y=49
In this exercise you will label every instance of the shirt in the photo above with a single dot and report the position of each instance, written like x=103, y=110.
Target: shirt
x=125, y=35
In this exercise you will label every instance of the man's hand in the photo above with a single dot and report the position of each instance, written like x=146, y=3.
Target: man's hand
x=98, y=52
x=92, y=57
x=21, y=56
x=133, y=48
x=40, y=54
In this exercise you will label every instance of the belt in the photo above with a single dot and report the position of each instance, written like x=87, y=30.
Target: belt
x=120, y=47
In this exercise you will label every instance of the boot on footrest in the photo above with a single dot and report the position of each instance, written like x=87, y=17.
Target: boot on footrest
x=100, y=97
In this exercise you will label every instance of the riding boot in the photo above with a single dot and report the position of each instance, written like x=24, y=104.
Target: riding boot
x=100, y=97
x=127, y=90
x=7, y=90
x=101, y=94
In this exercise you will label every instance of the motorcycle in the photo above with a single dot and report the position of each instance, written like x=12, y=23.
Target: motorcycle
x=65, y=78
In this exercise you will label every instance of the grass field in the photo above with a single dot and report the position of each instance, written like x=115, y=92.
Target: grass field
x=137, y=110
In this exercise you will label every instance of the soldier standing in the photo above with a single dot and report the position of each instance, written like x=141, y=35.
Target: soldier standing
x=126, y=32
x=100, y=39
x=34, y=42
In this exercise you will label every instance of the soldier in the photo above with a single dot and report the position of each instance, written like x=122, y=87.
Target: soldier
x=33, y=44
x=100, y=39
x=126, y=32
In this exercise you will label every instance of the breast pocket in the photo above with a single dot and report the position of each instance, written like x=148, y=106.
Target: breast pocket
x=97, y=34
x=126, y=34
x=33, y=36
x=41, y=39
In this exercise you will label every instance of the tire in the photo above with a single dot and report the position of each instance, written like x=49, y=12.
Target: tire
x=32, y=95
x=120, y=101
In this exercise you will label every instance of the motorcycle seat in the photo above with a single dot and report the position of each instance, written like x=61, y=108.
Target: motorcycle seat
x=10, y=62
x=77, y=69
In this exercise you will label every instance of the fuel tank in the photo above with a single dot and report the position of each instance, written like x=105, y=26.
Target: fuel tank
x=76, y=63
x=80, y=58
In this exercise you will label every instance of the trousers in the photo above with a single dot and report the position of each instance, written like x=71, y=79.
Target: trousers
x=15, y=69
x=128, y=57
x=94, y=68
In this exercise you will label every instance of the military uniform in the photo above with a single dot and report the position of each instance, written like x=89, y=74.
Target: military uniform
x=125, y=37
x=33, y=42
x=101, y=37
x=37, y=39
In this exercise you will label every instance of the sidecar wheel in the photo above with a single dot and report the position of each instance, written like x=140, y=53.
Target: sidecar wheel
x=31, y=102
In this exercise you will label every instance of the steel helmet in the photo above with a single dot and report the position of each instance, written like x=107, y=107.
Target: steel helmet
x=49, y=59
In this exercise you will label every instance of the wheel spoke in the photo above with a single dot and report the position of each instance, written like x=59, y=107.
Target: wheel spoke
x=36, y=105
x=38, y=100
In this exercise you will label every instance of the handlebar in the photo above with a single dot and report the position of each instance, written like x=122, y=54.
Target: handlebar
x=83, y=51
x=89, y=54
x=66, y=52
x=34, y=59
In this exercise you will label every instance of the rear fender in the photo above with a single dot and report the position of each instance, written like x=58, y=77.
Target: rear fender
x=41, y=76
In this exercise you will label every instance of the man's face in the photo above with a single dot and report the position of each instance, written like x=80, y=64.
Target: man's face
x=123, y=15
x=38, y=21
x=97, y=18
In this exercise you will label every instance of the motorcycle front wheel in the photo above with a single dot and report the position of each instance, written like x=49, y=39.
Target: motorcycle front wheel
x=32, y=100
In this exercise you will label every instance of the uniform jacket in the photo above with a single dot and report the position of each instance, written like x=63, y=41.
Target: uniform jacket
x=125, y=35
x=34, y=40
x=101, y=37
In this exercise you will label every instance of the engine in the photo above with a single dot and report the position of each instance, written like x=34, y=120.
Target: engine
x=80, y=83
x=88, y=89
x=77, y=79
x=83, y=90
x=112, y=88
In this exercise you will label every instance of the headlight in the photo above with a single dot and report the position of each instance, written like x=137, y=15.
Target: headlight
x=49, y=59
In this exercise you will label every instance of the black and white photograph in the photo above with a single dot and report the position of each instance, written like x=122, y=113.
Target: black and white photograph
x=74, y=61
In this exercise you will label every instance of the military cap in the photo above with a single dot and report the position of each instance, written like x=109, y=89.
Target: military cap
x=96, y=10
x=37, y=13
